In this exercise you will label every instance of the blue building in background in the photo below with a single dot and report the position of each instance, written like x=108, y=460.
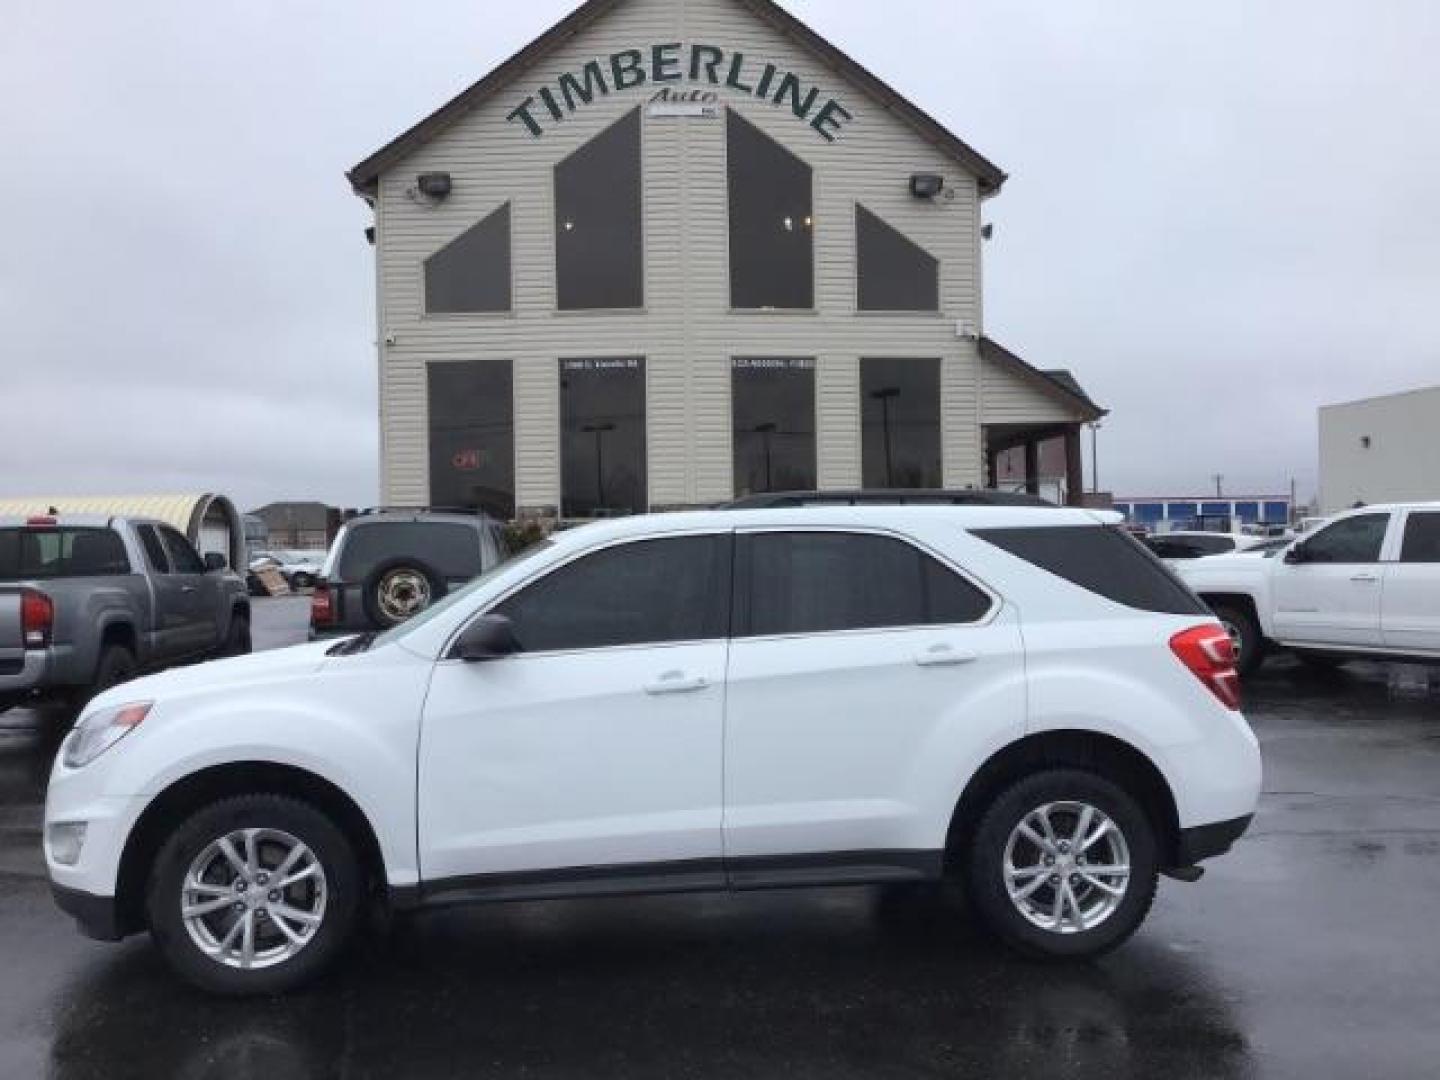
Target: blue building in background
x=1167, y=514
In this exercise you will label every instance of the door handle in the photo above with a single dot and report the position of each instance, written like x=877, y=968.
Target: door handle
x=943, y=655
x=1366, y=579
x=187, y=588
x=676, y=682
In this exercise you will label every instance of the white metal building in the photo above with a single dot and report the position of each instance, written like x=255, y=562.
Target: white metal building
x=1381, y=449
x=676, y=251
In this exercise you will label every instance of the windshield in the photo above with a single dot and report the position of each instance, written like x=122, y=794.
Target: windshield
x=460, y=595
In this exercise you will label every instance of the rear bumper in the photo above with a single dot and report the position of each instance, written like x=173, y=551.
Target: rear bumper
x=1207, y=841
x=97, y=917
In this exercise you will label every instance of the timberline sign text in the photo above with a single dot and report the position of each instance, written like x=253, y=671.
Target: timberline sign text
x=660, y=65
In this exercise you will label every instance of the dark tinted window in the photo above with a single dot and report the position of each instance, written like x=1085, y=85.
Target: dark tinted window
x=183, y=559
x=1106, y=561
x=900, y=423
x=1422, y=539
x=60, y=553
x=599, y=261
x=773, y=409
x=602, y=447
x=472, y=436
x=771, y=224
x=472, y=272
x=895, y=273
x=650, y=592
x=1354, y=540
x=154, y=550
x=451, y=549
x=811, y=583
x=1189, y=547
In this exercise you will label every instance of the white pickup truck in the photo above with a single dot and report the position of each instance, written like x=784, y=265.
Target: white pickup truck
x=1364, y=584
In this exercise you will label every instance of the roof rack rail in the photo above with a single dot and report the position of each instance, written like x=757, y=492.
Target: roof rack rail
x=779, y=500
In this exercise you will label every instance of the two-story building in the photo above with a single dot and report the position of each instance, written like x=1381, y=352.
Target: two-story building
x=678, y=251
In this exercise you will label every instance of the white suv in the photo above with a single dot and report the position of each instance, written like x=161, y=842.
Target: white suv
x=1023, y=699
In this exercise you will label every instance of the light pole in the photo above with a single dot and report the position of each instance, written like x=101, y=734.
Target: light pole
x=767, y=429
x=599, y=430
x=885, y=396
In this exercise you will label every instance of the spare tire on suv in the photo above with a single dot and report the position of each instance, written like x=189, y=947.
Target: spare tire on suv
x=400, y=589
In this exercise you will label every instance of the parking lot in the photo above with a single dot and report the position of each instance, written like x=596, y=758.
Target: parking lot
x=1310, y=951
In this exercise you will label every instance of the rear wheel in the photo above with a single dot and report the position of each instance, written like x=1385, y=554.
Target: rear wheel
x=237, y=639
x=253, y=895
x=1244, y=631
x=1063, y=864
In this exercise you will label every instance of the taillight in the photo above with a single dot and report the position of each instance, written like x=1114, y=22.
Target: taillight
x=322, y=613
x=37, y=618
x=1209, y=653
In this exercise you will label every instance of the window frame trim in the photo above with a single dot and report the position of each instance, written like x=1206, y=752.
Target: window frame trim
x=740, y=576
x=937, y=311
x=726, y=596
x=642, y=307
x=455, y=316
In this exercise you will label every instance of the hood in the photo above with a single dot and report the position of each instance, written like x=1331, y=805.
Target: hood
x=264, y=667
x=1240, y=562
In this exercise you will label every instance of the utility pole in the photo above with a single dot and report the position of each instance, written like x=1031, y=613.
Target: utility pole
x=1219, y=479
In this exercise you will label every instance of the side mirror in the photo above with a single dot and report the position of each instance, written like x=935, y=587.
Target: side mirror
x=1297, y=553
x=214, y=561
x=490, y=637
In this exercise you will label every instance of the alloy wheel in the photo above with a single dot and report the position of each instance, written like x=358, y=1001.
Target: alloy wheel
x=1066, y=867
x=254, y=898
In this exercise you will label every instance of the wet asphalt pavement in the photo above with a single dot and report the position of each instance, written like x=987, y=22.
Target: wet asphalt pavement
x=1311, y=950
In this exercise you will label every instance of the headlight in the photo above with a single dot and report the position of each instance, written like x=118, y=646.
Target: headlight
x=101, y=730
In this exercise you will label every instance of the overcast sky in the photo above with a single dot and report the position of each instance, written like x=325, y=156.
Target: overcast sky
x=1220, y=216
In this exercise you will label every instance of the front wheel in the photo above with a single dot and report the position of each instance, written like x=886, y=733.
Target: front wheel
x=253, y=895
x=237, y=639
x=1063, y=864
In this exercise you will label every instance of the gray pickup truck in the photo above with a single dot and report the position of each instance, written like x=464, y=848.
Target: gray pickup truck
x=87, y=602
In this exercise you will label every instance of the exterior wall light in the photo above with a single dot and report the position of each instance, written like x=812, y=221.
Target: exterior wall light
x=434, y=185
x=926, y=185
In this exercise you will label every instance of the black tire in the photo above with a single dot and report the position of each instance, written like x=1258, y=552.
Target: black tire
x=1249, y=642
x=115, y=666
x=237, y=639
x=301, y=580
x=383, y=577
x=343, y=890
x=984, y=874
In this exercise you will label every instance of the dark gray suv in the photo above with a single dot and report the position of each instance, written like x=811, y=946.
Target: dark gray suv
x=386, y=566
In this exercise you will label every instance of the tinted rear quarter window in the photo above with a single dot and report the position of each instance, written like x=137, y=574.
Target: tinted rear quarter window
x=1103, y=560
x=451, y=549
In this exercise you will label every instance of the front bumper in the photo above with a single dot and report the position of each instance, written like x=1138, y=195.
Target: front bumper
x=97, y=917
x=1208, y=841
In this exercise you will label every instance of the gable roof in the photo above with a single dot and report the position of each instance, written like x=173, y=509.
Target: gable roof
x=1057, y=383
x=365, y=176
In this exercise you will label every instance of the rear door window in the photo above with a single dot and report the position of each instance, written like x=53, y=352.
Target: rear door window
x=1422, y=539
x=1106, y=561
x=61, y=552
x=450, y=549
x=822, y=582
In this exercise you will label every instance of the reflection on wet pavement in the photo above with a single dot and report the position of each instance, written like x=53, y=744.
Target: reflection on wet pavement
x=1309, y=951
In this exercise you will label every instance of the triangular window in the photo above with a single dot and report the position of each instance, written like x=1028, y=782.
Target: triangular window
x=472, y=272
x=895, y=273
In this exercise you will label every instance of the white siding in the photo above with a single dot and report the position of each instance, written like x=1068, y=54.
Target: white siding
x=1011, y=399
x=687, y=331
x=1402, y=462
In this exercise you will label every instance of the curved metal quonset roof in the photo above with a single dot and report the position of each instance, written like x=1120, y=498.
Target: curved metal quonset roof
x=188, y=513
